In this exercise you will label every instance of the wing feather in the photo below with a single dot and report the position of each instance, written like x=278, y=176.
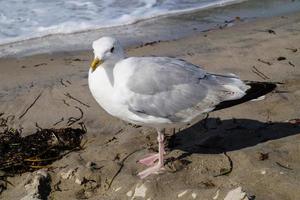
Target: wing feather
x=170, y=88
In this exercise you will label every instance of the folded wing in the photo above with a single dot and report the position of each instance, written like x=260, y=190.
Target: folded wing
x=174, y=89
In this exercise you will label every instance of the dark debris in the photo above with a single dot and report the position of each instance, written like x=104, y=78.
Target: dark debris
x=290, y=63
x=207, y=184
x=41, y=149
x=263, y=156
x=284, y=166
x=40, y=64
x=271, y=31
x=280, y=58
x=294, y=50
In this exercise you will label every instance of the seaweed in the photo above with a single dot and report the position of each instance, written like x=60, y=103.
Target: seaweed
x=22, y=154
x=38, y=150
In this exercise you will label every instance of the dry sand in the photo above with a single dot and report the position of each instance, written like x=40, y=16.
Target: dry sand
x=196, y=153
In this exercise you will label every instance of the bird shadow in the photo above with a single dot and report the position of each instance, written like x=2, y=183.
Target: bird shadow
x=215, y=136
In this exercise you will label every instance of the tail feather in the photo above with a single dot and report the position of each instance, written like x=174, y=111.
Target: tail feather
x=257, y=89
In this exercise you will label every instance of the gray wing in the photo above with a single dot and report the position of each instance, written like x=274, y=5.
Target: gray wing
x=170, y=88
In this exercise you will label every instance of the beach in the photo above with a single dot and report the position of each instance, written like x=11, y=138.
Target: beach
x=254, y=145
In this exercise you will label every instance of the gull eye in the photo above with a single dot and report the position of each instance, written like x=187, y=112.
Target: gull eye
x=112, y=49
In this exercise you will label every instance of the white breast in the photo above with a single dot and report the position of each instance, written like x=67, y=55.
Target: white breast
x=104, y=93
x=101, y=89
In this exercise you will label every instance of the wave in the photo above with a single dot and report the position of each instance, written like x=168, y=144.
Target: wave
x=72, y=16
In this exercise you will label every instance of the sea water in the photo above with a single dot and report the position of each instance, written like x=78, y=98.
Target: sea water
x=41, y=26
x=25, y=19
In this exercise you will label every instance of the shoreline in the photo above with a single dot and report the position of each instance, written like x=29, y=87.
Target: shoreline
x=141, y=20
x=244, y=131
x=156, y=29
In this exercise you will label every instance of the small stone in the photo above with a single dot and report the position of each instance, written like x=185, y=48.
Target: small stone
x=182, y=193
x=294, y=121
x=140, y=191
x=67, y=175
x=129, y=193
x=194, y=195
x=88, y=194
x=38, y=187
x=78, y=181
x=236, y=194
x=259, y=98
x=217, y=195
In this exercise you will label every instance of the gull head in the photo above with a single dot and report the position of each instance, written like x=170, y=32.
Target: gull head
x=107, y=52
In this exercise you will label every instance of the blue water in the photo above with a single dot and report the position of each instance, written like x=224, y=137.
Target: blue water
x=25, y=19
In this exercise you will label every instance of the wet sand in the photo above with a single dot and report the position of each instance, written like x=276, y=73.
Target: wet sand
x=256, y=144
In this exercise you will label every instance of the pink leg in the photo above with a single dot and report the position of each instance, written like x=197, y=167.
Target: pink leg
x=159, y=165
x=149, y=160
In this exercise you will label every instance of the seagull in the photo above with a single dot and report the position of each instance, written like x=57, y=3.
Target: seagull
x=158, y=92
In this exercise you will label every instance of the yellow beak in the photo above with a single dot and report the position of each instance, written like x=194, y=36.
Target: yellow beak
x=96, y=62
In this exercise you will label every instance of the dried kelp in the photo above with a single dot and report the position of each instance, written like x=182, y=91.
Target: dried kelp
x=41, y=149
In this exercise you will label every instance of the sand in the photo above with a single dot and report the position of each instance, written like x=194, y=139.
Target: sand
x=256, y=140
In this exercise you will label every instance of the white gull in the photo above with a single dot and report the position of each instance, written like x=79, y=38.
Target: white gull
x=158, y=92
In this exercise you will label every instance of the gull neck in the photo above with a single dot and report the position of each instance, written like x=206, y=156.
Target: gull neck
x=108, y=67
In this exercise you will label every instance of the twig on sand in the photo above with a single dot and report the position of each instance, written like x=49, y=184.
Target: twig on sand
x=263, y=61
x=73, y=120
x=65, y=102
x=56, y=186
x=40, y=64
x=71, y=97
x=228, y=171
x=285, y=167
x=268, y=31
x=4, y=183
x=294, y=50
x=68, y=82
x=38, y=127
x=121, y=167
x=61, y=120
x=290, y=63
x=259, y=73
x=110, y=140
x=2, y=178
x=83, y=127
x=119, y=131
x=35, y=100
x=281, y=91
x=62, y=82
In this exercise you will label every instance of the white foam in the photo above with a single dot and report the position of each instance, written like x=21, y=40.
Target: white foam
x=26, y=19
